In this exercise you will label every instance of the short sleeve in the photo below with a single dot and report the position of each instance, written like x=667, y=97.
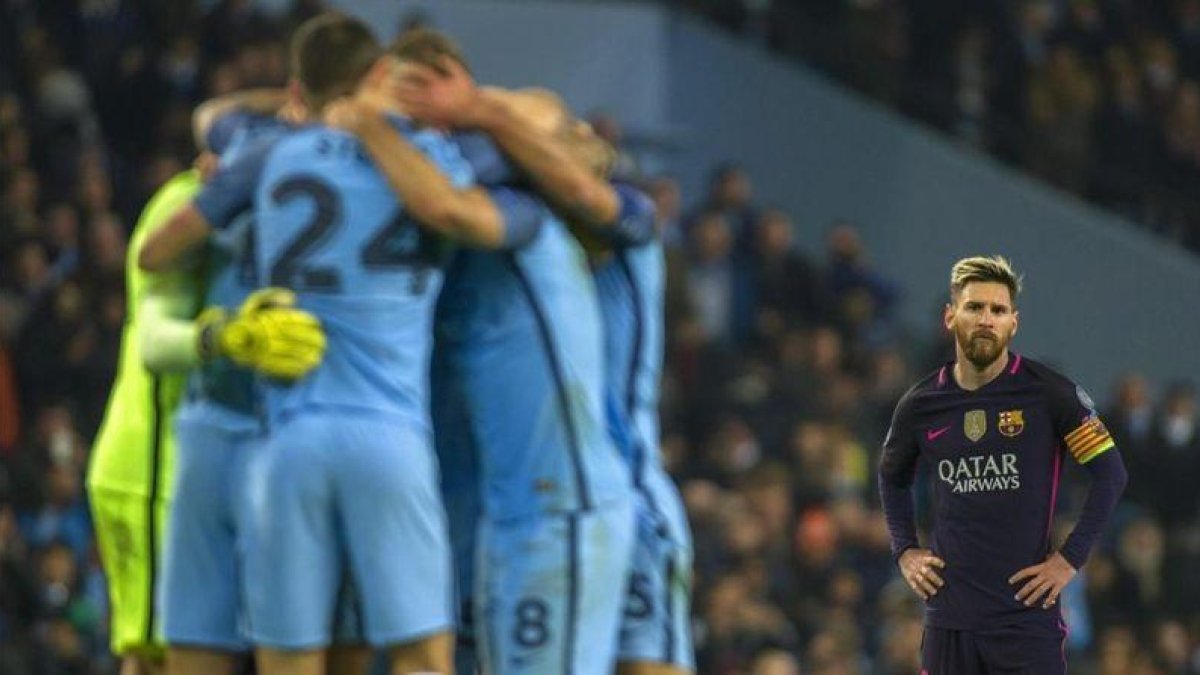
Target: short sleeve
x=635, y=224
x=447, y=155
x=490, y=165
x=231, y=190
x=226, y=127
x=250, y=135
x=1077, y=423
x=522, y=212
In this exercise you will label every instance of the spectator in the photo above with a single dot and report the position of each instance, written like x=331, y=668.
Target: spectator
x=712, y=282
x=10, y=410
x=775, y=661
x=1021, y=80
x=1063, y=97
x=63, y=517
x=664, y=190
x=1124, y=138
x=974, y=83
x=731, y=194
x=864, y=299
x=785, y=288
x=18, y=594
x=55, y=342
x=1139, y=582
x=61, y=226
x=1175, y=459
x=18, y=204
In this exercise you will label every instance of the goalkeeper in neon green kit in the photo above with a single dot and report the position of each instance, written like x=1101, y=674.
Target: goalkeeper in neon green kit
x=130, y=478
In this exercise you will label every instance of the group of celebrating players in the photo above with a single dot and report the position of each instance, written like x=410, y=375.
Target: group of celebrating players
x=405, y=339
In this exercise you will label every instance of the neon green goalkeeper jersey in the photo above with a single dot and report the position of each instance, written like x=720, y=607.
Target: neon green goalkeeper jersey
x=135, y=449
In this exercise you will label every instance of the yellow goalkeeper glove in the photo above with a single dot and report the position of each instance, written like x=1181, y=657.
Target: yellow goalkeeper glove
x=268, y=334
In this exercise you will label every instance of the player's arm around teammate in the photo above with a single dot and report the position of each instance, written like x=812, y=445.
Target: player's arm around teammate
x=199, y=593
x=570, y=166
x=293, y=647
x=559, y=153
x=216, y=120
x=471, y=215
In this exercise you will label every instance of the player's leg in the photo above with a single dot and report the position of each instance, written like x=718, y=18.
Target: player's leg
x=648, y=668
x=396, y=540
x=201, y=586
x=137, y=665
x=201, y=661
x=606, y=539
x=458, y=455
x=293, y=561
x=950, y=652
x=427, y=656
x=545, y=591
x=349, y=654
x=272, y=661
x=128, y=530
x=466, y=644
x=655, y=625
x=348, y=660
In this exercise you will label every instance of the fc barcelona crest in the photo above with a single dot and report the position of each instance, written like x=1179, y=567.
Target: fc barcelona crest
x=1011, y=423
x=975, y=424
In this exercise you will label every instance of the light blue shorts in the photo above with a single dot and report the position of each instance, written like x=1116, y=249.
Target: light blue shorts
x=341, y=500
x=545, y=600
x=201, y=590
x=655, y=625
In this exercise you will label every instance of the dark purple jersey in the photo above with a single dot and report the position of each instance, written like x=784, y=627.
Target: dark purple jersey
x=994, y=457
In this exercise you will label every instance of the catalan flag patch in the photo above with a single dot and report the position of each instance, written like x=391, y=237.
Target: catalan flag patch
x=1088, y=440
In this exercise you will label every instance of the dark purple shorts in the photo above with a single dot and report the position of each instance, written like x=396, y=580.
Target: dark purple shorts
x=1006, y=651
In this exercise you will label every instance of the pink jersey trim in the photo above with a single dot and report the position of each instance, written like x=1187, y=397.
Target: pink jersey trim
x=1066, y=636
x=1016, y=364
x=1058, y=453
x=942, y=377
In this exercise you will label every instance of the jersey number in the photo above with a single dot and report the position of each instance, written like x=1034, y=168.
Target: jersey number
x=399, y=243
x=638, y=601
x=531, y=630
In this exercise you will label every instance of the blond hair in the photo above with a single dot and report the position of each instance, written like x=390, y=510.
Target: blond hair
x=994, y=269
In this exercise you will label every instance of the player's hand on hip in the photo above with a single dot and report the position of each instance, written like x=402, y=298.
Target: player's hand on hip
x=919, y=567
x=1044, y=581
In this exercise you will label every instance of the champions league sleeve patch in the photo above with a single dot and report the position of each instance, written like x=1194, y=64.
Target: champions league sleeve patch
x=1089, y=439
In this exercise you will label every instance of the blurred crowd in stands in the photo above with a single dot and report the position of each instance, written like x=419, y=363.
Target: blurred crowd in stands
x=783, y=365
x=1098, y=97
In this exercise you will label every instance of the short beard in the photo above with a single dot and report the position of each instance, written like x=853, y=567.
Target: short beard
x=981, y=351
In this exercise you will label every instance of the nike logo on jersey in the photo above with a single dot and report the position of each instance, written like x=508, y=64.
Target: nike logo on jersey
x=933, y=434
